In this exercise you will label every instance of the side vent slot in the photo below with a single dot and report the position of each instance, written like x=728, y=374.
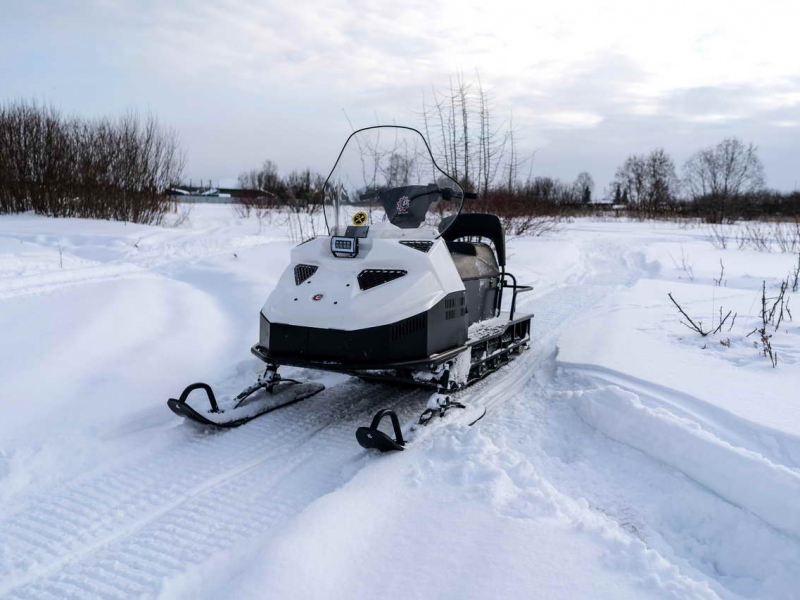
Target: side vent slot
x=303, y=272
x=370, y=278
x=408, y=326
x=421, y=245
x=449, y=309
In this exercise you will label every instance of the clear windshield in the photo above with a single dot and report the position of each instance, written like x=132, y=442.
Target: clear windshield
x=387, y=175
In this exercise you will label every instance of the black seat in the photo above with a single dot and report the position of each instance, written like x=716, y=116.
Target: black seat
x=475, y=225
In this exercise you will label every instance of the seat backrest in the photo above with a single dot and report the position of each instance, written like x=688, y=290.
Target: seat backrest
x=477, y=225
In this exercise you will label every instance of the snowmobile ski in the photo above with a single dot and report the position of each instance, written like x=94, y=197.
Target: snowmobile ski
x=373, y=438
x=237, y=411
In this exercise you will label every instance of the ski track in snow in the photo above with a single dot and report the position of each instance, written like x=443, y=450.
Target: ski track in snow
x=124, y=532
x=600, y=437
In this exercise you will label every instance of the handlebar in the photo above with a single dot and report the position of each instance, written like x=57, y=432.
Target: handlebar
x=446, y=193
x=373, y=195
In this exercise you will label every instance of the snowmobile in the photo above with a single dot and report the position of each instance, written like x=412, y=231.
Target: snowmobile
x=404, y=288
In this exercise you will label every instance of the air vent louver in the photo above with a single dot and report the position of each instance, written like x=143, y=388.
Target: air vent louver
x=370, y=278
x=409, y=326
x=421, y=245
x=449, y=309
x=303, y=272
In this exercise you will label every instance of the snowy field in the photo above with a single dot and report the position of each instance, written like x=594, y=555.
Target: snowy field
x=623, y=456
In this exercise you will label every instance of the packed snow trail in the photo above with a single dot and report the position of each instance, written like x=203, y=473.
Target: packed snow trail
x=436, y=490
x=123, y=532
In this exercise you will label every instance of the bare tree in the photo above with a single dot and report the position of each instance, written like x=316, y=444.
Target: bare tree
x=721, y=173
x=728, y=169
x=512, y=162
x=463, y=101
x=663, y=184
x=264, y=179
x=648, y=179
x=490, y=144
x=465, y=139
x=398, y=171
x=584, y=186
x=631, y=178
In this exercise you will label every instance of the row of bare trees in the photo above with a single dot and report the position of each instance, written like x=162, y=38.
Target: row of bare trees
x=293, y=199
x=469, y=142
x=101, y=168
x=721, y=183
x=480, y=150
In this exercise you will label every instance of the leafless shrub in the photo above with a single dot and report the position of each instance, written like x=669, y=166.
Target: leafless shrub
x=773, y=310
x=71, y=167
x=782, y=238
x=718, y=236
x=765, y=338
x=718, y=282
x=240, y=209
x=521, y=213
x=756, y=236
x=684, y=265
x=698, y=326
x=184, y=211
x=794, y=275
x=766, y=237
x=291, y=202
x=532, y=226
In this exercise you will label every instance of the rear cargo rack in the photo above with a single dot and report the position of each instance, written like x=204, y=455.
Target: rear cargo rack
x=518, y=289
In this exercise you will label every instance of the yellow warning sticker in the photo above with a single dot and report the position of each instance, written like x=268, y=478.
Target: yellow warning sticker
x=359, y=218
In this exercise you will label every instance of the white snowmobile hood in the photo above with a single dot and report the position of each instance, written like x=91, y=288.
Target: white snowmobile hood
x=331, y=298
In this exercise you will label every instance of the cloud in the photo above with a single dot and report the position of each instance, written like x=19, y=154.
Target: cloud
x=587, y=82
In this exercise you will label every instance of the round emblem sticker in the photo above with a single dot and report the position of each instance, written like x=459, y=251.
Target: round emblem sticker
x=403, y=205
x=359, y=218
x=317, y=297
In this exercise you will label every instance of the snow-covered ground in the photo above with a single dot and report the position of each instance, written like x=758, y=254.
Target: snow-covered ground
x=623, y=456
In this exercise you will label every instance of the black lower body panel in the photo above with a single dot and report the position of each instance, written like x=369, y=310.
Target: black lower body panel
x=514, y=335
x=436, y=330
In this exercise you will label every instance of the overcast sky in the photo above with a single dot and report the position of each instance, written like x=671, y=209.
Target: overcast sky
x=589, y=82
